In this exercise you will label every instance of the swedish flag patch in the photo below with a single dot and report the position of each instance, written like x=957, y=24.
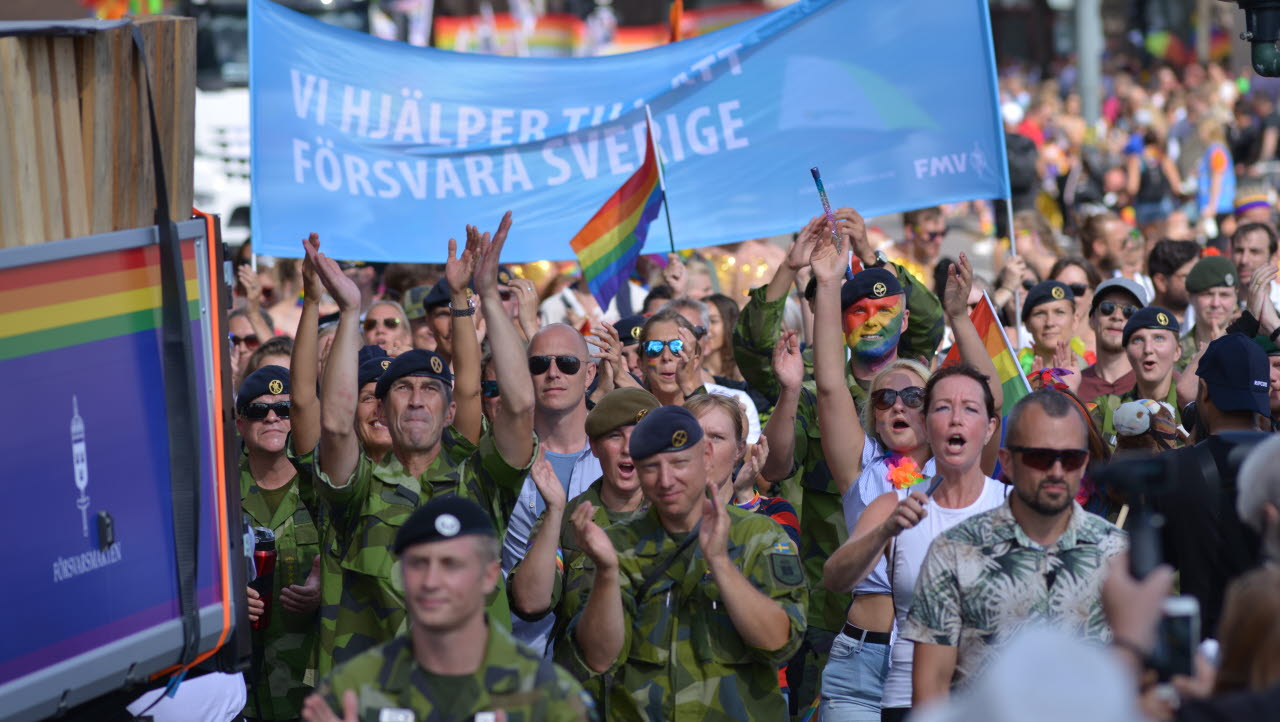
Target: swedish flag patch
x=784, y=547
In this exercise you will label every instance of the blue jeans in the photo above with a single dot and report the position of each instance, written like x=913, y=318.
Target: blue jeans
x=853, y=681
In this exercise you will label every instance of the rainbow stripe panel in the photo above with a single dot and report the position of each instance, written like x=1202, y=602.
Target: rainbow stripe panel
x=1012, y=383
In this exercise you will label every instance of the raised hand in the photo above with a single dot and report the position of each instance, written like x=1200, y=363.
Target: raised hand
x=343, y=290
x=614, y=372
x=1015, y=268
x=689, y=373
x=527, y=296
x=303, y=598
x=752, y=463
x=829, y=259
x=714, y=536
x=459, y=268
x=252, y=289
x=548, y=484
x=909, y=512
x=788, y=364
x=955, y=298
x=802, y=247
x=312, y=289
x=592, y=538
x=675, y=274
x=1259, y=291
x=488, y=256
x=851, y=226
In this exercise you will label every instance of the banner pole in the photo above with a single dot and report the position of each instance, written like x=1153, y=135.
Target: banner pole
x=1013, y=252
x=662, y=178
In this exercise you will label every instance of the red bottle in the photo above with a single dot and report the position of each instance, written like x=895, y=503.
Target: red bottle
x=264, y=564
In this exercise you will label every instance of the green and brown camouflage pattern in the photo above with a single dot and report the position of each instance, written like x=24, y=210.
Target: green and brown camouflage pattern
x=513, y=683
x=682, y=657
x=283, y=671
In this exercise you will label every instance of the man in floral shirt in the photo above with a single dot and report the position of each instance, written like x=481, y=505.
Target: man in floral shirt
x=1037, y=559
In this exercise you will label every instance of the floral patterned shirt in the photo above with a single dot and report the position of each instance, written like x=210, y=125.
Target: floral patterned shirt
x=983, y=580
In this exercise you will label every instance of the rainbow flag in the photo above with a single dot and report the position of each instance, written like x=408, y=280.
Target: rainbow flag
x=1012, y=383
x=608, y=246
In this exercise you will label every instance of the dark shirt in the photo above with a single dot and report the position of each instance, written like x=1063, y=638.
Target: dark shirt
x=1092, y=386
x=1203, y=537
x=1235, y=707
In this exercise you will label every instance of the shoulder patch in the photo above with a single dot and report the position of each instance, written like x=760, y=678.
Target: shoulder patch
x=784, y=547
x=786, y=567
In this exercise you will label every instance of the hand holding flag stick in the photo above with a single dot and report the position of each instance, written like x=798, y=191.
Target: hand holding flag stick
x=826, y=204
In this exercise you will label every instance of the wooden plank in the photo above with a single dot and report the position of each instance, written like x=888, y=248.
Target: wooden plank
x=126, y=170
x=184, y=116
x=10, y=206
x=21, y=175
x=99, y=143
x=66, y=106
x=48, y=170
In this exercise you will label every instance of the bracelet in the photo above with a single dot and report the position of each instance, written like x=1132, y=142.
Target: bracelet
x=1274, y=334
x=469, y=311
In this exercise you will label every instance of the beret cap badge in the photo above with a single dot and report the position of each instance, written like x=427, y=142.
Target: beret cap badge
x=1162, y=319
x=1058, y=293
x=879, y=290
x=448, y=524
x=436, y=364
x=678, y=438
x=385, y=363
x=276, y=386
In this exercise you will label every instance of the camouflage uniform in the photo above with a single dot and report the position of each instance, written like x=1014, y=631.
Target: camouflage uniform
x=574, y=574
x=361, y=592
x=1106, y=406
x=513, y=684
x=284, y=666
x=810, y=489
x=682, y=657
x=1189, y=348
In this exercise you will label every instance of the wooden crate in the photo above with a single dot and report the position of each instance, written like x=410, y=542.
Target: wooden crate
x=75, y=143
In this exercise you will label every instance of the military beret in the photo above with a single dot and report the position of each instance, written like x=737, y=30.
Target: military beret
x=413, y=298
x=1151, y=317
x=372, y=369
x=1267, y=345
x=266, y=380
x=444, y=517
x=871, y=283
x=666, y=428
x=505, y=276
x=417, y=362
x=1045, y=292
x=370, y=351
x=439, y=295
x=1211, y=271
x=618, y=408
x=628, y=329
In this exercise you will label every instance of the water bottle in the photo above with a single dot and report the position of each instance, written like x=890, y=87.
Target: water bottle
x=264, y=564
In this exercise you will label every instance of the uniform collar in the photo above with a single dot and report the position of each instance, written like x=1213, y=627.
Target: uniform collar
x=499, y=649
x=256, y=507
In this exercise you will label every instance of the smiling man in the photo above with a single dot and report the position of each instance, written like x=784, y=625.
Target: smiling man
x=1039, y=558
x=1151, y=342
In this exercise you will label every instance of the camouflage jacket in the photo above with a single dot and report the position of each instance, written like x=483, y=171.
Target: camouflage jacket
x=682, y=657
x=1189, y=348
x=513, y=684
x=811, y=489
x=1105, y=408
x=283, y=672
x=361, y=592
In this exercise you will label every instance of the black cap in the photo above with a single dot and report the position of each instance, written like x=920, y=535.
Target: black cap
x=442, y=518
x=266, y=380
x=372, y=369
x=417, y=362
x=370, y=351
x=438, y=296
x=1237, y=373
x=1046, y=292
x=666, y=428
x=870, y=283
x=1150, y=317
x=628, y=328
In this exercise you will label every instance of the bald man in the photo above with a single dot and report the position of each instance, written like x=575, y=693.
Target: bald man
x=562, y=370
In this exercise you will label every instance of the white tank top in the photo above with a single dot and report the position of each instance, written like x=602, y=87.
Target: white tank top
x=908, y=556
x=871, y=483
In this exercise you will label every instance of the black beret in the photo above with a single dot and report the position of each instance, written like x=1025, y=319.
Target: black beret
x=371, y=369
x=438, y=296
x=628, y=328
x=618, y=408
x=666, y=428
x=1151, y=317
x=417, y=362
x=505, y=276
x=370, y=351
x=444, y=517
x=266, y=380
x=870, y=283
x=1045, y=292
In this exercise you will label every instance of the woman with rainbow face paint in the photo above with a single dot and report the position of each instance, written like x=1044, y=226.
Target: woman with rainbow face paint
x=884, y=450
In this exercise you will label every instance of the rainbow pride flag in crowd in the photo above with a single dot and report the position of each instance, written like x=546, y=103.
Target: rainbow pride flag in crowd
x=1012, y=383
x=608, y=246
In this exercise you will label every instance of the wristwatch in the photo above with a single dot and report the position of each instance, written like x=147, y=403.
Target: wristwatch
x=470, y=310
x=881, y=260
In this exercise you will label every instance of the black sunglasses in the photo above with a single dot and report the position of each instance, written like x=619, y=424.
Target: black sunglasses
x=538, y=365
x=387, y=323
x=1044, y=459
x=251, y=340
x=932, y=235
x=259, y=411
x=489, y=389
x=653, y=349
x=912, y=397
x=1106, y=308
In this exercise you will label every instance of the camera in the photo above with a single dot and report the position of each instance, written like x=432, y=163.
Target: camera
x=1262, y=30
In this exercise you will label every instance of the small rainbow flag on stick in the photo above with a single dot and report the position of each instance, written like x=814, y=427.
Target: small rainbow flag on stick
x=608, y=246
x=1012, y=383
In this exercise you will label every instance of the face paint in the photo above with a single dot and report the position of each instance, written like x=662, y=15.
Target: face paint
x=872, y=327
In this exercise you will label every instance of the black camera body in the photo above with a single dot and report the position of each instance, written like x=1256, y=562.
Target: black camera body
x=1262, y=30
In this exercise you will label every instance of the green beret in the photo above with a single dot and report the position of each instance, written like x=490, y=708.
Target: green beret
x=413, y=299
x=618, y=408
x=444, y=517
x=1209, y=272
x=663, y=430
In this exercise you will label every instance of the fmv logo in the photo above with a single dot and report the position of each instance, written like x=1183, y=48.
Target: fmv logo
x=949, y=164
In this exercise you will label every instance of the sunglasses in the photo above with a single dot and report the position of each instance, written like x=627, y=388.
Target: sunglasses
x=489, y=389
x=653, y=349
x=259, y=411
x=1106, y=308
x=390, y=324
x=538, y=365
x=912, y=397
x=250, y=340
x=931, y=235
x=1044, y=459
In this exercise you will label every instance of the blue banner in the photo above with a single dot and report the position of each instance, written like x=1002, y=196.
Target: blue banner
x=387, y=150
